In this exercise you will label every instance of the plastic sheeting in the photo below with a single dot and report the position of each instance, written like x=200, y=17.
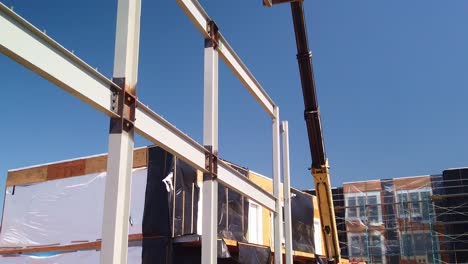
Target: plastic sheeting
x=78, y=257
x=392, y=220
x=253, y=254
x=62, y=211
x=185, y=204
x=171, y=205
x=233, y=210
x=302, y=222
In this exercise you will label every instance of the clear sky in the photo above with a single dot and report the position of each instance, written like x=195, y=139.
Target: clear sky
x=391, y=78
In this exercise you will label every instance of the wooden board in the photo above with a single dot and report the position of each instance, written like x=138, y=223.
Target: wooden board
x=57, y=247
x=66, y=169
x=368, y=186
x=412, y=183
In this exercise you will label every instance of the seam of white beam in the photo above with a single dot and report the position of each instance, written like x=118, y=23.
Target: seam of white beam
x=84, y=82
x=200, y=18
x=28, y=46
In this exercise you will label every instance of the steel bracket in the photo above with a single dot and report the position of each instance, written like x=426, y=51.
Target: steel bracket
x=124, y=105
x=213, y=30
x=211, y=162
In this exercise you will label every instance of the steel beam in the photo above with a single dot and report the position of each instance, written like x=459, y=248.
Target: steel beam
x=278, y=215
x=36, y=51
x=200, y=19
x=33, y=49
x=287, y=194
x=162, y=133
x=210, y=140
x=115, y=223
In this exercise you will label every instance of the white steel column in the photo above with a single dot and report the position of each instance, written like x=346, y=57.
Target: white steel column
x=210, y=141
x=278, y=215
x=287, y=194
x=121, y=139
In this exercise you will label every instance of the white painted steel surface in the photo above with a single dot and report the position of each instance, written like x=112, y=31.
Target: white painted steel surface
x=200, y=18
x=209, y=249
x=79, y=79
x=278, y=215
x=249, y=189
x=36, y=51
x=287, y=194
x=115, y=220
x=164, y=134
x=28, y=46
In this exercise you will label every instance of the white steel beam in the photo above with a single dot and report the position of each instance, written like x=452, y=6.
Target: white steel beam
x=226, y=176
x=209, y=248
x=115, y=222
x=36, y=51
x=278, y=215
x=287, y=194
x=200, y=19
x=162, y=133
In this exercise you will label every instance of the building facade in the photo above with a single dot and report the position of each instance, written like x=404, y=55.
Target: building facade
x=421, y=219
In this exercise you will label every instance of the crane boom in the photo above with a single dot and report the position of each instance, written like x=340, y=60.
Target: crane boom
x=319, y=168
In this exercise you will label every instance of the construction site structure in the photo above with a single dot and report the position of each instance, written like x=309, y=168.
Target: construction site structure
x=408, y=220
x=117, y=98
x=56, y=207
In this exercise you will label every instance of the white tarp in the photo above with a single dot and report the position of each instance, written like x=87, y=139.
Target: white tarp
x=79, y=257
x=63, y=211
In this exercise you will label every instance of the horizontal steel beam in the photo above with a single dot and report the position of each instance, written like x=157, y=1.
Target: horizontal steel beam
x=36, y=51
x=31, y=48
x=200, y=19
x=232, y=179
x=159, y=131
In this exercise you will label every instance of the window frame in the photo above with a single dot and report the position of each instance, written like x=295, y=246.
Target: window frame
x=259, y=225
x=412, y=235
x=364, y=238
x=357, y=207
x=409, y=208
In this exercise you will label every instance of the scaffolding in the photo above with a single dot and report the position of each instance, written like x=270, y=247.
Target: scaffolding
x=405, y=220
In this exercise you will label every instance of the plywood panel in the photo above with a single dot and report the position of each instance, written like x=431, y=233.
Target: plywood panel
x=96, y=164
x=356, y=187
x=140, y=158
x=31, y=175
x=267, y=228
x=412, y=183
x=265, y=183
x=65, y=169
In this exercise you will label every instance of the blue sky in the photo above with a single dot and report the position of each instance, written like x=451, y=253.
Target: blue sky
x=391, y=79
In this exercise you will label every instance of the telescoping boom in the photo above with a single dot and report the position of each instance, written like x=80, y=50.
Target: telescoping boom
x=319, y=168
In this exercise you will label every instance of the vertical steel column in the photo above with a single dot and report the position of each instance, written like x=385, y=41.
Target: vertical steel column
x=121, y=139
x=287, y=194
x=278, y=215
x=210, y=141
